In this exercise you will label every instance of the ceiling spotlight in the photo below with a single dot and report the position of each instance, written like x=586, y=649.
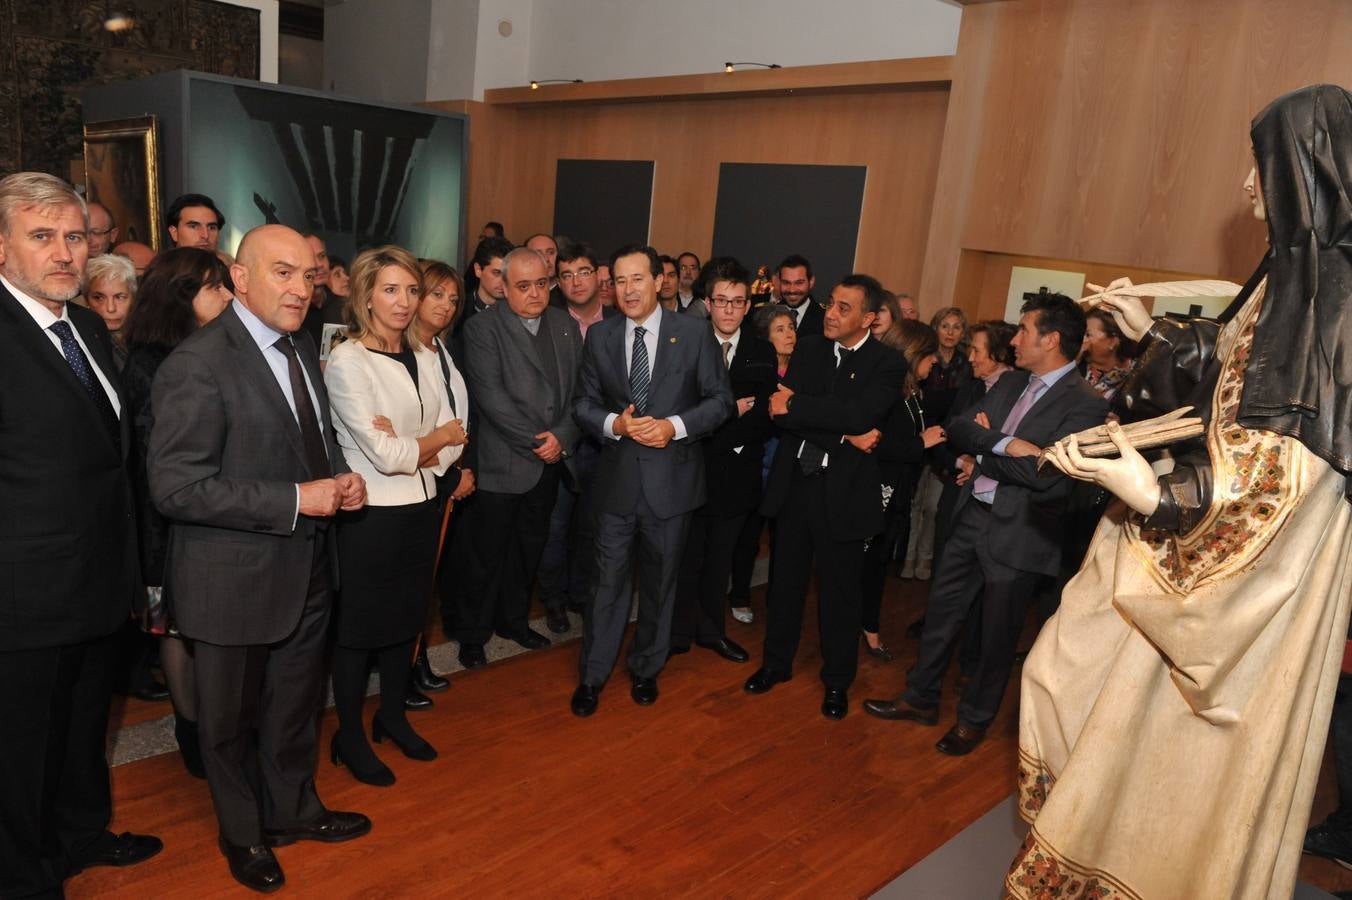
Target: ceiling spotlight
x=729, y=66
x=116, y=22
x=535, y=85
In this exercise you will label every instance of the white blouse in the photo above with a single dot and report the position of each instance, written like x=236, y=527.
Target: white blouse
x=363, y=385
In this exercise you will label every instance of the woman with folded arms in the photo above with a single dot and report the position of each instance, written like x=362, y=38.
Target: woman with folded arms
x=387, y=549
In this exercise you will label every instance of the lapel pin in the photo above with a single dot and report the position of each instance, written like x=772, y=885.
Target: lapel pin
x=852, y=376
x=673, y=340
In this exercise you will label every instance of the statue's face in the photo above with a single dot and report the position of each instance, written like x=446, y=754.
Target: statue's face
x=1254, y=189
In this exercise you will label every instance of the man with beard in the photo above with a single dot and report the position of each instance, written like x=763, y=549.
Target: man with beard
x=793, y=283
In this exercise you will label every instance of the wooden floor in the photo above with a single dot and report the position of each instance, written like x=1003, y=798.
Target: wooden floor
x=710, y=792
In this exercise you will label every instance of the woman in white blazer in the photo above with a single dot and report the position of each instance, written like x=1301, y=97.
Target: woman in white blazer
x=383, y=374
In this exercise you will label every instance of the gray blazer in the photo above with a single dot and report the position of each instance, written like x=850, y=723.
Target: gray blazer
x=515, y=397
x=688, y=380
x=223, y=461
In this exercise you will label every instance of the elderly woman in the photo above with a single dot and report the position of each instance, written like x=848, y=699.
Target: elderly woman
x=182, y=290
x=387, y=549
x=109, y=288
x=1106, y=358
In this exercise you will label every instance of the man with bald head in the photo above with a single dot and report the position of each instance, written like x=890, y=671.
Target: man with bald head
x=242, y=461
x=102, y=229
x=141, y=256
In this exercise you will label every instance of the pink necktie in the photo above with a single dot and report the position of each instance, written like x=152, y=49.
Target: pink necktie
x=985, y=484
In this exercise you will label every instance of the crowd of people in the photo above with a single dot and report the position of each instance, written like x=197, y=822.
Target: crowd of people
x=190, y=483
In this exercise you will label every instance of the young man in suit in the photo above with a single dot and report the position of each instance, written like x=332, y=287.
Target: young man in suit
x=243, y=462
x=793, y=282
x=827, y=492
x=567, y=566
x=652, y=386
x=68, y=570
x=732, y=463
x=1007, y=521
x=522, y=357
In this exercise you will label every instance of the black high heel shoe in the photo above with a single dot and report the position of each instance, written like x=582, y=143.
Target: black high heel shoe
x=879, y=652
x=417, y=748
x=378, y=774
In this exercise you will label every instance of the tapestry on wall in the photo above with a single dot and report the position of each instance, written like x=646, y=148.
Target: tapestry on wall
x=51, y=49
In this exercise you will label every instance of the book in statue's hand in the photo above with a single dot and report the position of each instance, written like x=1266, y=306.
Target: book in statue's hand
x=1143, y=435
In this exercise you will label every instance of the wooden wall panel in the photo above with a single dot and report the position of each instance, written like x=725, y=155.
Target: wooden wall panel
x=896, y=133
x=1096, y=129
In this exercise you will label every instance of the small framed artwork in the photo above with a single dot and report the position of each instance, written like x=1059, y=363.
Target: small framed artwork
x=122, y=171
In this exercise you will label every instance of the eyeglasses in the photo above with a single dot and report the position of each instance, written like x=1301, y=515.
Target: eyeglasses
x=566, y=277
x=724, y=302
x=102, y=232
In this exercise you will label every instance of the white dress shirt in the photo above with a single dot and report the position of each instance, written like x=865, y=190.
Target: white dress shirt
x=45, y=319
x=653, y=323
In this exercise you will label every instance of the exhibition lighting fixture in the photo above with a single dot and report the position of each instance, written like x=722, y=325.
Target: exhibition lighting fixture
x=729, y=66
x=535, y=85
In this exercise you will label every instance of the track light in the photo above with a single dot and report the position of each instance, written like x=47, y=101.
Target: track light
x=730, y=66
x=535, y=85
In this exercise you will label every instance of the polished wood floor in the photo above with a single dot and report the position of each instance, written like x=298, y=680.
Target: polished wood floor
x=708, y=793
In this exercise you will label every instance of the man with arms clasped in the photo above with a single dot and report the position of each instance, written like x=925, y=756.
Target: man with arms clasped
x=68, y=569
x=652, y=385
x=242, y=461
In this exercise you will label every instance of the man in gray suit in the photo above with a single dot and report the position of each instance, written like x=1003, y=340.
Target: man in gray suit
x=242, y=460
x=522, y=358
x=653, y=384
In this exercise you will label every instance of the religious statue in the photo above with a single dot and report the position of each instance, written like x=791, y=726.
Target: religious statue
x=1174, y=710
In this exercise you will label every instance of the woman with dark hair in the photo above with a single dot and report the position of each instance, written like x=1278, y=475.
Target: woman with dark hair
x=392, y=418
x=182, y=290
x=900, y=446
x=1108, y=354
x=1175, y=708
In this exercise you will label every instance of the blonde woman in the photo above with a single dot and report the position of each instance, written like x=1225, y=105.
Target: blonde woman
x=387, y=549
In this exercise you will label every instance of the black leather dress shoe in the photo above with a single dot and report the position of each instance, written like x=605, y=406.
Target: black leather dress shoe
x=472, y=656
x=585, y=700
x=1331, y=842
x=416, y=699
x=424, y=677
x=835, y=703
x=644, y=691
x=960, y=740
x=125, y=849
x=900, y=710
x=151, y=692
x=557, y=620
x=763, y=680
x=254, y=867
x=530, y=639
x=729, y=650
x=331, y=828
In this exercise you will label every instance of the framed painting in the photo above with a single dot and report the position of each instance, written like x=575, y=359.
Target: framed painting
x=122, y=166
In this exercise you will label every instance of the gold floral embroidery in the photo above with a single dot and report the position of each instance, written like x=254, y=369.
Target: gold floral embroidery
x=1040, y=873
x=1256, y=475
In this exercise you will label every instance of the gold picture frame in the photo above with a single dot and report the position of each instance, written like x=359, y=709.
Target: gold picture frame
x=122, y=171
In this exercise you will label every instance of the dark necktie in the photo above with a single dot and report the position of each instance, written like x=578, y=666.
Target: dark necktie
x=811, y=458
x=445, y=373
x=638, y=372
x=316, y=457
x=84, y=371
x=727, y=354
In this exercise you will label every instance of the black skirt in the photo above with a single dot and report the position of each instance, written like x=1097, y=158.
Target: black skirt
x=385, y=559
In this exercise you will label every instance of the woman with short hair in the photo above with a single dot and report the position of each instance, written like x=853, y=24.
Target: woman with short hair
x=109, y=289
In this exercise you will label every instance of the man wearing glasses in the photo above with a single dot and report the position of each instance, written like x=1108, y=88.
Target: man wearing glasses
x=732, y=463
x=102, y=230
x=687, y=273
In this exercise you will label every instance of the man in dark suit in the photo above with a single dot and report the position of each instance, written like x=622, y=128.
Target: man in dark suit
x=652, y=386
x=68, y=570
x=567, y=565
x=732, y=463
x=793, y=282
x=1007, y=522
x=827, y=492
x=242, y=461
x=522, y=358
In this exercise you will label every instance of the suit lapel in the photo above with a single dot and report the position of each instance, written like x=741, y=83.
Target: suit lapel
x=103, y=359
x=509, y=323
x=666, y=346
x=614, y=352
x=259, y=374
x=563, y=353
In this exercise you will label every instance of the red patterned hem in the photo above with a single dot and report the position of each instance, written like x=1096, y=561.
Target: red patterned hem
x=1040, y=873
x=1035, y=782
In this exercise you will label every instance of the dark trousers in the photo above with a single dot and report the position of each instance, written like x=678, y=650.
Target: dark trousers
x=658, y=544
x=744, y=559
x=258, y=710
x=55, y=801
x=701, y=587
x=568, y=564
x=802, y=533
x=896, y=530
x=1340, y=731
x=967, y=575
x=505, y=536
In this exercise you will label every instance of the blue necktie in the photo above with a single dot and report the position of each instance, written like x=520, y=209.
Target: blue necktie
x=638, y=372
x=79, y=364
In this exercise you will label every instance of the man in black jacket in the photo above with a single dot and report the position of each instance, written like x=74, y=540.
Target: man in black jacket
x=826, y=492
x=732, y=461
